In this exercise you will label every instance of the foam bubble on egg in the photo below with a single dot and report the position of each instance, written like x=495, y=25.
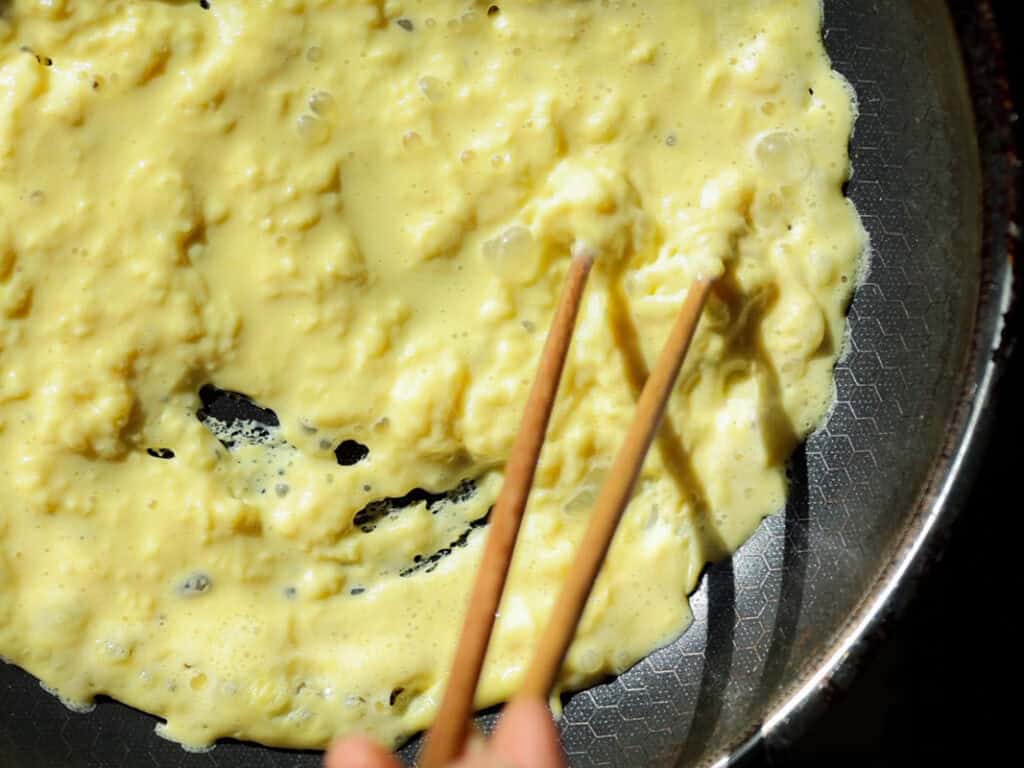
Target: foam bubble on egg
x=782, y=155
x=312, y=129
x=431, y=87
x=321, y=102
x=76, y=706
x=512, y=254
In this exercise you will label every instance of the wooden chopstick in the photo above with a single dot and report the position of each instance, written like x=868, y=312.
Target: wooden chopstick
x=446, y=740
x=612, y=500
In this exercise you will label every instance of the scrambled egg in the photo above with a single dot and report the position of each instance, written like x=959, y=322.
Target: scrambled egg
x=359, y=214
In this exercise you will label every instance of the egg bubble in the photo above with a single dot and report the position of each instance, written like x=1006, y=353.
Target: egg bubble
x=782, y=155
x=512, y=255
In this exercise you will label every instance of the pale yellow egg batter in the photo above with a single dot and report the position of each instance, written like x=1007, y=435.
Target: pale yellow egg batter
x=359, y=214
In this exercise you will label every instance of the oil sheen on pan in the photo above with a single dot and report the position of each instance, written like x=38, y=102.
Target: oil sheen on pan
x=274, y=278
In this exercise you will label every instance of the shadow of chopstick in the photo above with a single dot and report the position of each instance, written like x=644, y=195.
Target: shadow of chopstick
x=668, y=443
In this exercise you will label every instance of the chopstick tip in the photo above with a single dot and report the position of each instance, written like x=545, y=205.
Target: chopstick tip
x=584, y=253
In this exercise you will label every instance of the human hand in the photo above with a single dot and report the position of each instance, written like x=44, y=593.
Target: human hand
x=526, y=737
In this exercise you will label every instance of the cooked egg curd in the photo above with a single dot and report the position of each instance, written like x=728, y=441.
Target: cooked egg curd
x=358, y=214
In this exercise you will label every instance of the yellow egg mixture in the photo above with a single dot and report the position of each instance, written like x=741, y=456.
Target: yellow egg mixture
x=359, y=214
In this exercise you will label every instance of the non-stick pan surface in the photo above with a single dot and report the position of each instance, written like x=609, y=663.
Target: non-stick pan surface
x=778, y=624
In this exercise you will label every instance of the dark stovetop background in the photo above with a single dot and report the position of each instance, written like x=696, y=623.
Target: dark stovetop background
x=939, y=685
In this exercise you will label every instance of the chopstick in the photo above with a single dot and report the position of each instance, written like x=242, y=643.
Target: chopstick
x=445, y=741
x=612, y=500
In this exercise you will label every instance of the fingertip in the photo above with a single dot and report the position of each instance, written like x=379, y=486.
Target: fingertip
x=528, y=736
x=359, y=752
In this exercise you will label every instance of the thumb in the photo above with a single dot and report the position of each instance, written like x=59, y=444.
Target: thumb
x=527, y=736
x=359, y=752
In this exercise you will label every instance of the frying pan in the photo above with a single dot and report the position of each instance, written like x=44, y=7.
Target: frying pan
x=781, y=623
